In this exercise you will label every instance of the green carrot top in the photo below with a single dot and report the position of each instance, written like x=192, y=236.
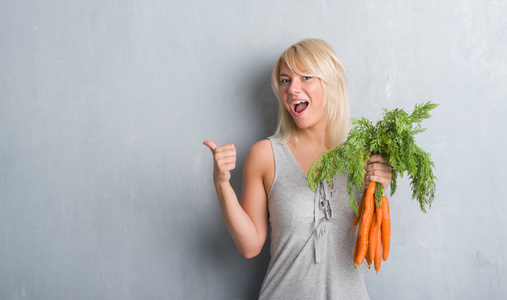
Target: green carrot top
x=393, y=138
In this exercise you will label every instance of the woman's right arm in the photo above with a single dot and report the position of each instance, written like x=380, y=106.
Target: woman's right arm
x=247, y=222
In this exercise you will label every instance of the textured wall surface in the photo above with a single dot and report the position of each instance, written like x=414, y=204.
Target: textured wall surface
x=105, y=187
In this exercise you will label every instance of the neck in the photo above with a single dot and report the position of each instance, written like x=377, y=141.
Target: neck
x=316, y=135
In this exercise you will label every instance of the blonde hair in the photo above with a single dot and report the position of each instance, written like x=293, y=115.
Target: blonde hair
x=316, y=58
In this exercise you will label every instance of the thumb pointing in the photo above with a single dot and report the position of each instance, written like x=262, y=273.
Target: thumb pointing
x=210, y=145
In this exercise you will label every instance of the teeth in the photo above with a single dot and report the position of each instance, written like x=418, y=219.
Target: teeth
x=298, y=102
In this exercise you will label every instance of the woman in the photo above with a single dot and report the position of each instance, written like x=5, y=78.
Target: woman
x=311, y=247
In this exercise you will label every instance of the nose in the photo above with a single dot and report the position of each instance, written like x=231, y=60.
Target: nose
x=295, y=87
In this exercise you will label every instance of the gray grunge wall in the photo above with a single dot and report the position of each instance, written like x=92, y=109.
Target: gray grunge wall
x=106, y=190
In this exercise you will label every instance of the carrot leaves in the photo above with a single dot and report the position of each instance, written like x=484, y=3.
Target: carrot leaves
x=393, y=138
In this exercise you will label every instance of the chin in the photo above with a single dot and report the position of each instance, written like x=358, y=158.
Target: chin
x=302, y=125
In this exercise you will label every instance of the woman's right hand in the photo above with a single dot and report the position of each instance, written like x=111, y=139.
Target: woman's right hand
x=246, y=221
x=224, y=158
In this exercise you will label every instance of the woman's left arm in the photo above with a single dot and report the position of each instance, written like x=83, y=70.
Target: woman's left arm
x=378, y=169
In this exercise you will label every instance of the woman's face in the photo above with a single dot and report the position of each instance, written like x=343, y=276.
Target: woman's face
x=302, y=96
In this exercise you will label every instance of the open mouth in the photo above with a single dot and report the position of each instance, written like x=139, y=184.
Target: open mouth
x=298, y=107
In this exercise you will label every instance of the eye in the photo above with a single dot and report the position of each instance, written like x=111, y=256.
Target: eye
x=307, y=77
x=284, y=80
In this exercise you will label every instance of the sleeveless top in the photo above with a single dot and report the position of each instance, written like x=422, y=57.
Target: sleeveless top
x=311, y=241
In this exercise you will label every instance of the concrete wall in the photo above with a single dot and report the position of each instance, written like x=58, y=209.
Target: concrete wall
x=106, y=190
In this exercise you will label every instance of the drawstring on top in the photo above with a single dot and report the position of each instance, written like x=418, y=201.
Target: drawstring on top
x=322, y=207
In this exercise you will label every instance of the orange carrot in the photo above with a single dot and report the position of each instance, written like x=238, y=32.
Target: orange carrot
x=356, y=247
x=376, y=225
x=379, y=211
x=358, y=244
x=378, y=252
x=360, y=209
x=386, y=228
x=369, y=260
x=364, y=227
x=356, y=219
x=372, y=244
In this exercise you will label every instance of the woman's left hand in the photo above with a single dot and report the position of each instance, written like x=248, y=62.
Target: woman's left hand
x=378, y=169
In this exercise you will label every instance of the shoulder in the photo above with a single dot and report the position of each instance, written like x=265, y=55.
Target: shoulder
x=260, y=163
x=262, y=147
x=261, y=152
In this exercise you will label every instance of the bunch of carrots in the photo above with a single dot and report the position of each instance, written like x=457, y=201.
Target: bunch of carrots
x=374, y=234
x=393, y=137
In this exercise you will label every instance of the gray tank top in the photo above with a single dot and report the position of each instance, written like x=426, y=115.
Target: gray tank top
x=311, y=242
